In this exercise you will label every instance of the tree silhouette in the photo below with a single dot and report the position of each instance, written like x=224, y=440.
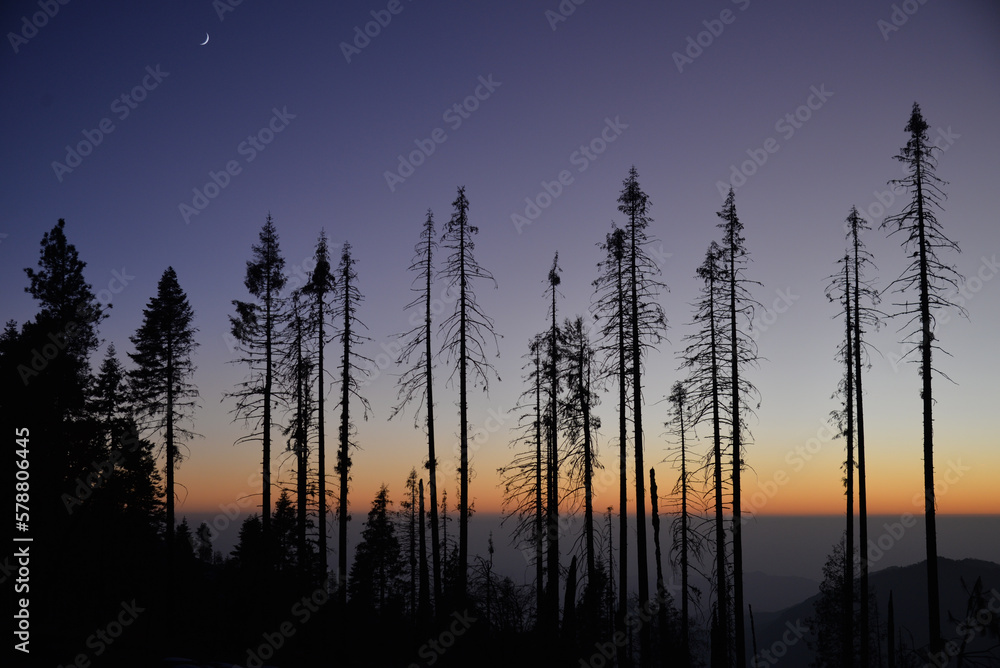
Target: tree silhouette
x=522, y=477
x=408, y=510
x=552, y=454
x=924, y=240
x=647, y=328
x=742, y=352
x=703, y=356
x=164, y=396
x=686, y=539
x=610, y=307
x=465, y=341
x=374, y=582
x=295, y=375
x=866, y=317
x=423, y=598
x=417, y=382
x=841, y=291
x=580, y=426
x=255, y=328
x=345, y=312
x=321, y=286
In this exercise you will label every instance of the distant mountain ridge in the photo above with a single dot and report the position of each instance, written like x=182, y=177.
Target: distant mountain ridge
x=784, y=631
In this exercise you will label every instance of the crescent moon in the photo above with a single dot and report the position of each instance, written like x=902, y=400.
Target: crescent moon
x=206, y=40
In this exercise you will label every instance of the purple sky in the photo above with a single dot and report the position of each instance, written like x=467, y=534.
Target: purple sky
x=590, y=96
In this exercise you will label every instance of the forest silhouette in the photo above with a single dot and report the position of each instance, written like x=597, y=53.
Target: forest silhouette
x=117, y=578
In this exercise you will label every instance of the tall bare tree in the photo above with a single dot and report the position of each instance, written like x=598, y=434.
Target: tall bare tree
x=686, y=537
x=295, y=376
x=932, y=280
x=703, y=356
x=580, y=426
x=255, y=327
x=742, y=352
x=552, y=454
x=321, y=287
x=465, y=342
x=610, y=308
x=840, y=290
x=350, y=369
x=866, y=316
x=523, y=489
x=647, y=328
x=417, y=382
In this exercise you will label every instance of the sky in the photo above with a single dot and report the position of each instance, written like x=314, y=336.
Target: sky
x=161, y=151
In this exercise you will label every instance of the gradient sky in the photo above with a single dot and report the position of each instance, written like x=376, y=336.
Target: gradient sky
x=556, y=87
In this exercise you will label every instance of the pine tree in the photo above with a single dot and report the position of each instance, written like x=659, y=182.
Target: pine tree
x=580, y=426
x=742, y=352
x=349, y=337
x=866, y=317
x=424, y=604
x=686, y=537
x=523, y=489
x=409, y=510
x=465, y=342
x=161, y=386
x=255, y=328
x=417, y=382
x=295, y=377
x=933, y=281
x=610, y=307
x=647, y=327
x=841, y=290
x=374, y=582
x=321, y=287
x=552, y=453
x=703, y=356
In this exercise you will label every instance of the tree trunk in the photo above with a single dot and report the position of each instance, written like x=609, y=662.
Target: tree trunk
x=933, y=600
x=623, y=470
x=343, y=465
x=847, y=632
x=862, y=484
x=463, y=411
x=640, y=491
x=588, y=469
x=431, y=455
x=722, y=584
x=740, y=644
x=321, y=443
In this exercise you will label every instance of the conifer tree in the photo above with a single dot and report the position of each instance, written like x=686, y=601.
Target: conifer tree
x=465, y=342
x=350, y=370
x=255, y=327
x=164, y=396
x=647, y=327
x=417, y=382
x=610, y=308
x=867, y=316
x=321, y=287
x=703, y=356
x=741, y=351
x=934, y=282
